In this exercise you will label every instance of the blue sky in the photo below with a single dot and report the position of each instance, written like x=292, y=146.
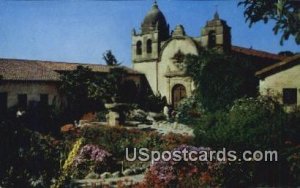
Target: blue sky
x=80, y=31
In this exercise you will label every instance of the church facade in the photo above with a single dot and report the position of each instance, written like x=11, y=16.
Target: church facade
x=159, y=53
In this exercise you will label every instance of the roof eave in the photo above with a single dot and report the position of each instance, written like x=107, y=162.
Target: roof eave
x=281, y=66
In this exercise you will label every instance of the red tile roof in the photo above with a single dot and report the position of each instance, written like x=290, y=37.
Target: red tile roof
x=257, y=53
x=283, y=65
x=32, y=70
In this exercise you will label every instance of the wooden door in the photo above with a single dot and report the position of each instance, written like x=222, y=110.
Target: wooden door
x=178, y=93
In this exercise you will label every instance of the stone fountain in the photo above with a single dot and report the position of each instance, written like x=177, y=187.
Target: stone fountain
x=116, y=115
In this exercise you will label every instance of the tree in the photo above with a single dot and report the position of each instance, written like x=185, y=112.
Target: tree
x=110, y=59
x=220, y=78
x=115, y=78
x=84, y=90
x=114, y=82
x=285, y=13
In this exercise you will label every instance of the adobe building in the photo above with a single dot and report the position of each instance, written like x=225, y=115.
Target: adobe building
x=26, y=82
x=282, y=80
x=159, y=53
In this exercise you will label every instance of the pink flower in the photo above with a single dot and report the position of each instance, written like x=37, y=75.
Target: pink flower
x=91, y=152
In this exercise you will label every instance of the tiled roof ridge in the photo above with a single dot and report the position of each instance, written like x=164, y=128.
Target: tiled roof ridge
x=261, y=53
x=47, y=61
x=28, y=69
x=20, y=69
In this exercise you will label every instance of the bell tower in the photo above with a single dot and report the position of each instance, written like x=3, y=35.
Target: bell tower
x=216, y=34
x=146, y=45
x=154, y=30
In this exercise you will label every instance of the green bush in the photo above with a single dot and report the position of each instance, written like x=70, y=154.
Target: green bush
x=189, y=111
x=251, y=124
x=292, y=154
x=154, y=103
x=293, y=126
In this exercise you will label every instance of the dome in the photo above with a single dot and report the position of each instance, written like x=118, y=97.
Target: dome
x=154, y=20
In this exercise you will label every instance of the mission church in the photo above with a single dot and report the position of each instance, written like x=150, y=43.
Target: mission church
x=159, y=53
x=157, y=56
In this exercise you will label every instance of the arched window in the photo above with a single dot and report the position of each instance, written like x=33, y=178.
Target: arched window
x=212, y=39
x=139, y=48
x=149, y=46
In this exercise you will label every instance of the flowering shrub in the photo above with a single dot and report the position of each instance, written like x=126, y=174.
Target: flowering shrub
x=68, y=163
x=116, y=139
x=183, y=173
x=172, y=140
x=91, y=152
x=66, y=169
x=91, y=158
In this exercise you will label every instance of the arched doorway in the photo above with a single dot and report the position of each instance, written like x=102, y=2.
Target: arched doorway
x=178, y=93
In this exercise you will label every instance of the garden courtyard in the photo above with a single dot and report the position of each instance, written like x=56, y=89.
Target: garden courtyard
x=103, y=135
x=191, y=112
x=94, y=153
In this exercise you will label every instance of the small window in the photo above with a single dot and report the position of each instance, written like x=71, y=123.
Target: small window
x=22, y=100
x=139, y=48
x=149, y=46
x=289, y=96
x=44, y=99
x=3, y=103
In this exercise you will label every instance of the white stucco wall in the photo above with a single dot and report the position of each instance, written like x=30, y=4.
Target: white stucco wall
x=275, y=83
x=149, y=69
x=165, y=85
x=32, y=89
x=155, y=72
